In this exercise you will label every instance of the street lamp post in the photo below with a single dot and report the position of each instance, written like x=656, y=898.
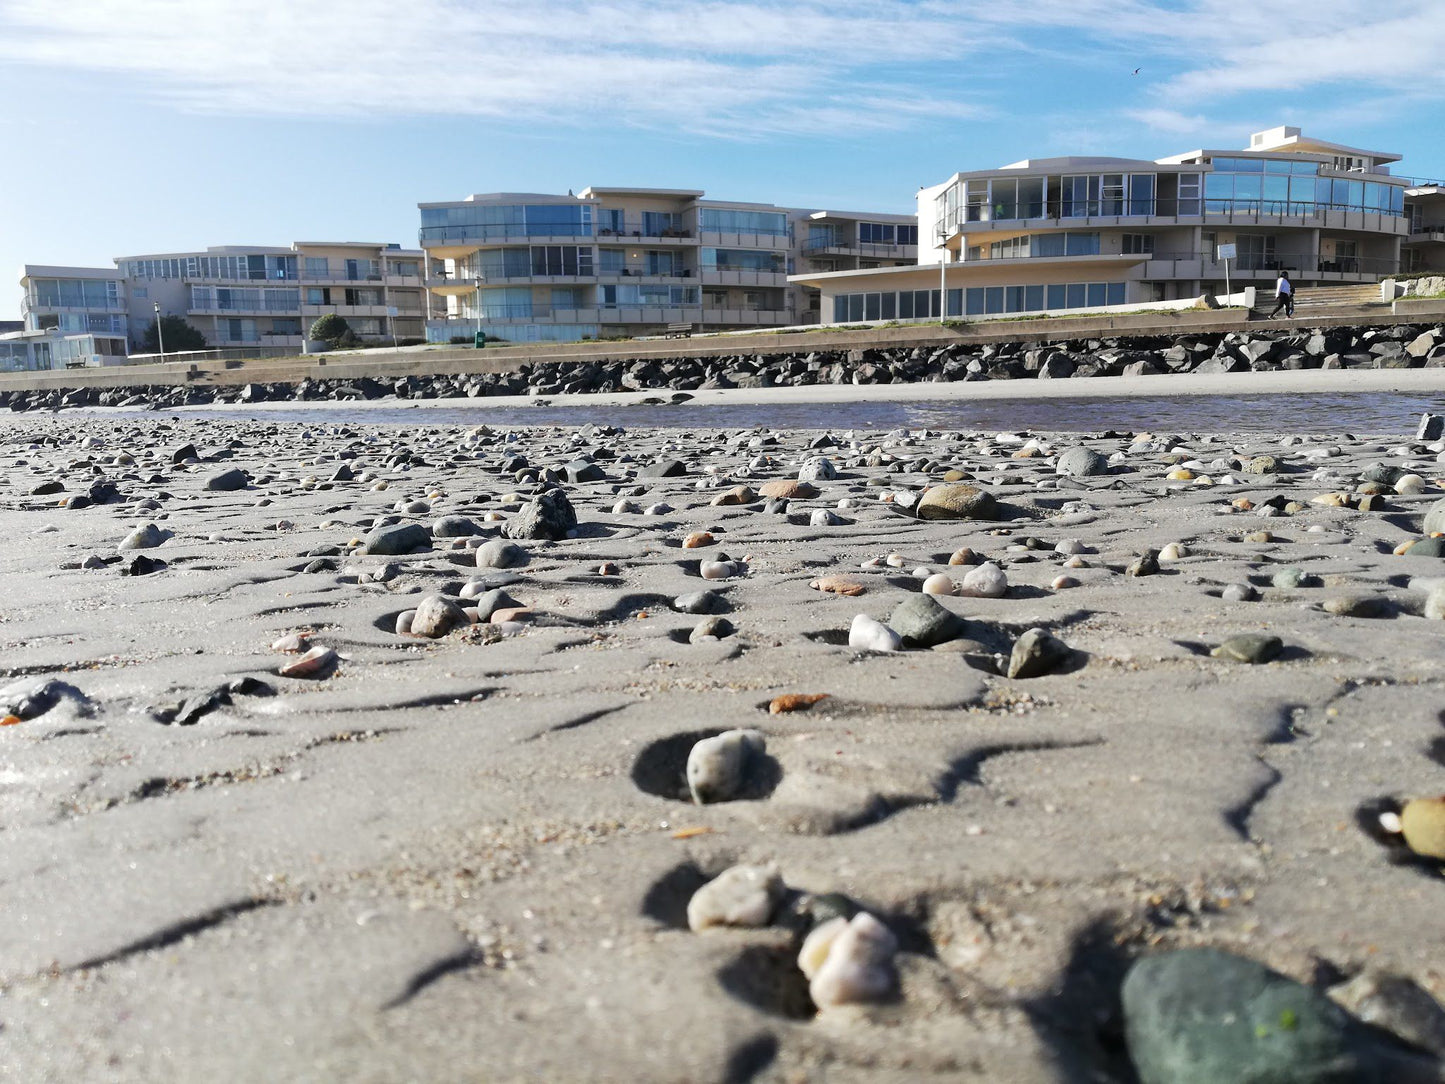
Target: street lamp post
x=160, y=335
x=943, y=274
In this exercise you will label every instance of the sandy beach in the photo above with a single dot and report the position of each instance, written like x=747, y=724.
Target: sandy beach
x=470, y=856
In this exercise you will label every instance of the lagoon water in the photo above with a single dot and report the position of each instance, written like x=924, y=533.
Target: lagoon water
x=1355, y=412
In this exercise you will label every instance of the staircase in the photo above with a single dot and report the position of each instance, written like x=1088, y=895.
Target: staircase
x=1315, y=301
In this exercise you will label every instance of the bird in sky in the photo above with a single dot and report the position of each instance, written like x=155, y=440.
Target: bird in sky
x=1138, y=70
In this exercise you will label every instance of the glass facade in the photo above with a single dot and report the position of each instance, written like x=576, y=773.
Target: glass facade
x=74, y=293
x=976, y=301
x=719, y=220
x=652, y=294
x=228, y=299
x=743, y=259
x=488, y=221
x=886, y=233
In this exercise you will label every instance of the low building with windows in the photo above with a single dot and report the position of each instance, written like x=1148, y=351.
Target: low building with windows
x=36, y=350
x=1423, y=251
x=615, y=262
x=74, y=300
x=250, y=296
x=1065, y=233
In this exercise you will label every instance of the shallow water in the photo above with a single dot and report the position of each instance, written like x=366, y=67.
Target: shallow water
x=1358, y=412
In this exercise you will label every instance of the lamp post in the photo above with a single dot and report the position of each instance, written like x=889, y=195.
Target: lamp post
x=943, y=274
x=160, y=335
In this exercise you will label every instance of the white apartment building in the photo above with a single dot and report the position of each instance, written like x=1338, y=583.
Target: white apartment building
x=1063, y=233
x=250, y=296
x=1424, y=246
x=71, y=315
x=622, y=262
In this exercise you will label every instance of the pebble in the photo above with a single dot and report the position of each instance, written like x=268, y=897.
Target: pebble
x=984, y=581
x=722, y=569
x=698, y=539
x=1291, y=577
x=1081, y=463
x=1174, y=551
x=1239, y=592
x=921, y=621
x=1359, y=606
x=848, y=961
x=1036, y=653
x=435, y=616
x=711, y=628
x=790, y=702
x=698, y=602
x=739, y=896
x=735, y=496
x=1422, y=822
x=499, y=553
x=144, y=538
x=396, y=539
x=957, y=501
x=824, y=518
x=1250, y=647
x=869, y=634
x=717, y=766
x=1146, y=564
x=939, y=584
x=838, y=585
x=1061, y=583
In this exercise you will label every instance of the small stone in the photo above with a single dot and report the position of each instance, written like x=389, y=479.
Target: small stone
x=1434, y=518
x=144, y=538
x=1174, y=551
x=711, y=628
x=1410, y=483
x=1422, y=822
x=1146, y=564
x=698, y=539
x=1426, y=547
x=549, y=517
x=823, y=518
x=940, y=584
x=32, y=697
x=396, y=539
x=455, y=527
x=1082, y=463
x=838, y=585
x=921, y=621
x=1291, y=577
x=1396, y=1004
x=1262, y=464
x=740, y=896
x=788, y=488
x=403, y=622
x=1359, y=606
x=790, y=702
x=717, y=766
x=1435, y=603
x=817, y=469
x=984, y=581
x=698, y=602
x=1035, y=653
x=722, y=569
x=1061, y=583
x=957, y=501
x=848, y=961
x=868, y=634
x=499, y=553
x=964, y=556
x=735, y=496
x=1250, y=647
x=228, y=481
x=435, y=616
x=1239, y=592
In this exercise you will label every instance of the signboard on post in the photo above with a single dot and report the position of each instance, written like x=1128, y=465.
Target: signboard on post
x=1226, y=253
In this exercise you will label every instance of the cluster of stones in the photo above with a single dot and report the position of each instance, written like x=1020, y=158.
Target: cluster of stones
x=1392, y=347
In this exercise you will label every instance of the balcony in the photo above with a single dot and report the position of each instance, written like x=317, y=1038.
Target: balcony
x=725, y=276
x=1420, y=235
x=1203, y=265
x=645, y=271
x=344, y=310
x=775, y=241
x=746, y=317
x=242, y=308
x=1166, y=212
x=839, y=246
x=637, y=228
x=502, y=233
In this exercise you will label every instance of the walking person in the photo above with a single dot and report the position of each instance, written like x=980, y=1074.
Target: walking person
x=1283, y=295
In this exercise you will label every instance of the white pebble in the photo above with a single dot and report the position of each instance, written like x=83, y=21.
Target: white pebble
x=940, y=584
x=740, y=896
x=716, y=766
x=985, y=581
x=1173, y=552
x=868, y=634
x=849, y=961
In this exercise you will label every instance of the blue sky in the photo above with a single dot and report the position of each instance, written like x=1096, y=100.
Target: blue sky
x=136, y=126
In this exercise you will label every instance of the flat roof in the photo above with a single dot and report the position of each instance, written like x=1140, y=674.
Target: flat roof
x=40, y=270
x=679, y=193
x=865, y=216
x=1108, y=259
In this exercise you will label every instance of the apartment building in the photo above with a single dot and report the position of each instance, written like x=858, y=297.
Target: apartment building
x=252, y=296
x=1075, y=232
x=1424, y=246
x=71, y=316
x=622, y=262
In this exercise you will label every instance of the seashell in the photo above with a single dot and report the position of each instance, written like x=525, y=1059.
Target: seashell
x=849, y=961
x=895, y=560
x=838, y=585
x=740, y=896
x=717, y=766
x=318, y=662
x=787, y=702
x=293, y=642
x=940, y=584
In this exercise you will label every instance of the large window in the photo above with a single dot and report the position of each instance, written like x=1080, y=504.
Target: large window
x=488, y=221
x=975, y=301
x=884, y=233
x=743, y=259
x=561, y=260
x=719, y=220
x=75, y=293
x=630, y=294
x=499, y=263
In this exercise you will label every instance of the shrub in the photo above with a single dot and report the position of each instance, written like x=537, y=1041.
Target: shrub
x=329, y=328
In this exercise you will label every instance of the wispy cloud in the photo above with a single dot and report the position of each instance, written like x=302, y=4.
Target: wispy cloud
x=731, y=68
